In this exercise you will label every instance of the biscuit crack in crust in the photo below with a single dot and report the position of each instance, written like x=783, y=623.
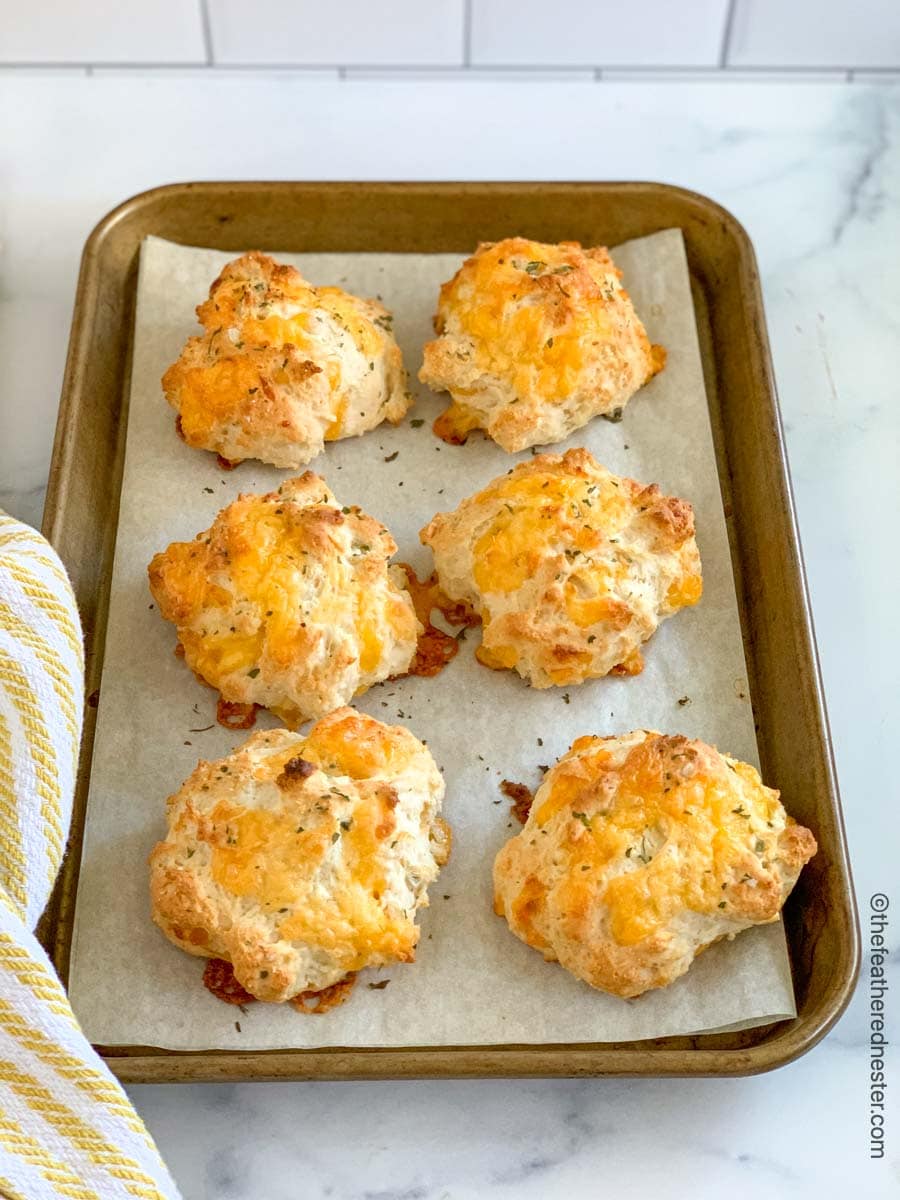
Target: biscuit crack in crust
x=570, y=567
x=283, y=367
x=533, y=341
x=642, y=850
x=302, y=860
x=287, y=602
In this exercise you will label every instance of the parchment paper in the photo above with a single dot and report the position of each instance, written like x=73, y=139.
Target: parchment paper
x=472, y=982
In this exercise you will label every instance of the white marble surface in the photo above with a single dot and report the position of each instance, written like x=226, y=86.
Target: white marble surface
x=814, y=173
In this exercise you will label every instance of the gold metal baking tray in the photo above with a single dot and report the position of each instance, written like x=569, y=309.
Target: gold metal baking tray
x=83, y=500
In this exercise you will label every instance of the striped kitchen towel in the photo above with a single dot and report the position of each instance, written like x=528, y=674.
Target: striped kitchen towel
x=67, y=1129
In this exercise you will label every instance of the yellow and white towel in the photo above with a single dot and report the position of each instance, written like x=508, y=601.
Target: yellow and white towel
x=66, y=1127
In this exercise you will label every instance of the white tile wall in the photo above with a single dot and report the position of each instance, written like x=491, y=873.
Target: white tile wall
x=97, y=31
x=338, y=32
x=602, y=33
x=815, y=33
x=415, y=39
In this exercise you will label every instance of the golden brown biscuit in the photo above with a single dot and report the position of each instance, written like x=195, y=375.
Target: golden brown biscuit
x=287, y=601
x=283, y=367
x=302, y=859
x=642, y=850
x=571, y=568
x=533, y=341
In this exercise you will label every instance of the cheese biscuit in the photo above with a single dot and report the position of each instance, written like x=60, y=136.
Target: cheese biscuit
x=570, y=567
x=533, y=341
x=640, y=851
x=301, y=860
x=283, y=367
x=287, y=601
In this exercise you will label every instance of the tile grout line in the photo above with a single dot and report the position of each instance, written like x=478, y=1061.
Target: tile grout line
x=726, y=34
x=100, y=65
x=206, y=25
x=343, y=71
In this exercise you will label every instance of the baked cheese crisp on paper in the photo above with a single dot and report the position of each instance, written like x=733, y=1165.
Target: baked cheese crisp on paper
x=472, y=981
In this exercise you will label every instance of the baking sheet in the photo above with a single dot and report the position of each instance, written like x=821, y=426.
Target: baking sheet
x=472, y=983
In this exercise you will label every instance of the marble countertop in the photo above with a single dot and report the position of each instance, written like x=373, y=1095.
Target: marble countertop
x=813, y=171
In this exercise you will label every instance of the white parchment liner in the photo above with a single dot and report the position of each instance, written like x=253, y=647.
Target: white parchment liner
x=472, y=982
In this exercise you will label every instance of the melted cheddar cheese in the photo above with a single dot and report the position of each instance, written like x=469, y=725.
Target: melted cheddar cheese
x=534, y=313
x=274, y=860
x=661, y=802
x=355, y=746
x=539, y=513
x=259, y=303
